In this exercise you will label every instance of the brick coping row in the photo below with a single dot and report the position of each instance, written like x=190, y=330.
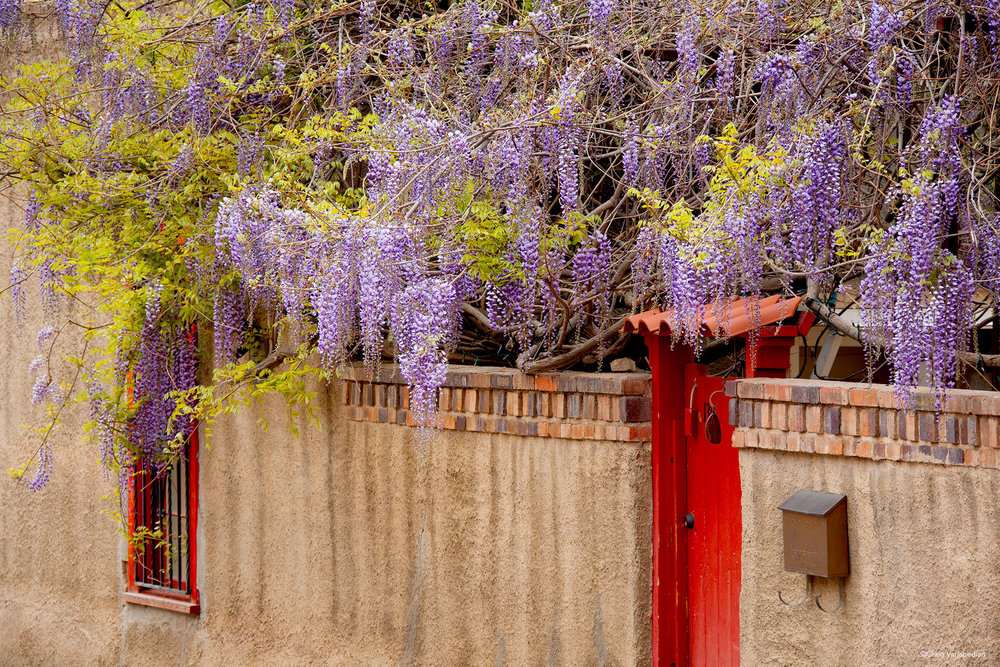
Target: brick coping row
x=570, y=405
x=865, y=421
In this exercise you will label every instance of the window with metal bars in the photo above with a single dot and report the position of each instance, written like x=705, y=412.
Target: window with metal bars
x=163, y=516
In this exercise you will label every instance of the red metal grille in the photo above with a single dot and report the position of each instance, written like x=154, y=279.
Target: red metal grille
x=163, y=521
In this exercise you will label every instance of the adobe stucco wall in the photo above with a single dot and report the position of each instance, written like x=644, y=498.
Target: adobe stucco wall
x=923, y=535
x=349, y=546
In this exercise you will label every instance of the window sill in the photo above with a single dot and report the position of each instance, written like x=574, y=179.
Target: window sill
x=160, y=602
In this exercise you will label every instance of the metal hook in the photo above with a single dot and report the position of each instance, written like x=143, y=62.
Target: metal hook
x=840, y=603
x=809, y=588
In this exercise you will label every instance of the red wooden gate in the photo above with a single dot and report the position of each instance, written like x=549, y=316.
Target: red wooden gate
x=696, y=571
x=713, y=524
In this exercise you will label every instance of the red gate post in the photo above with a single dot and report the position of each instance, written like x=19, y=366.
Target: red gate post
x=670, y=642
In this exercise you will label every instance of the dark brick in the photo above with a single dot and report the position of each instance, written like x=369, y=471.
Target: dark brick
x=401, y=417
x=392, y=396
x=901, y=426
x=923, y=400
x=878, y=450
x=734, y=410
x=530, y=428
x=484, y=402
x=574, y=406
x=928, y=427
x=925, y=450
x=906, y=452
x=731, y=389
x=805, y=394
x=460, y=423
x=758, y=420
x=940, y=453
x=501, y=426
x=831, y=420
x=951, y=429
x=746, y=413
x=956, y=455
x=383, y=415
x=499, y=381
x=500, y=402
x=635, y=409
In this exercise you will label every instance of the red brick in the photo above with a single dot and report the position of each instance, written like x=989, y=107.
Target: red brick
x=849, y=421
x=779, y=416
x=836, y=446
x=576, y=432
x=590, y=406
x=987, y=458
x=444, y=399
x=751, y=389
x=814, y=419
x=765, y=415
x=739, y=437
x=479, y=380
x=868, y=422
x=636, y=387
x=604, y=408
x=807, y=443
x=766, y=440
x=774, y=391
x=850, y=446
x=639, y=433
x=912, y=432
x=893, y=450
x=471, y=401
x=546, y=404
x=988, y=432
x=793, y=441
x=864, y=448
x=864, y=397
x=796, y=418
x=833, y=395
x=886, y=398
x=514, y=403
x=545, y=383
x=751, y=438
x=559, y=405
x=543, y=429
x=447, y=422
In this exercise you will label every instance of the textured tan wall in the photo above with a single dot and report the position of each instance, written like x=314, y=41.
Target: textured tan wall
x=351, y=546
x=925, y=567
x=348, y=546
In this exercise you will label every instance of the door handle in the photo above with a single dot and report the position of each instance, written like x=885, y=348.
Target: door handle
x=689, y=520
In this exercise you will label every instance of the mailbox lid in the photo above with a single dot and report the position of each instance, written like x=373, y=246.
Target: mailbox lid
x=812, y=503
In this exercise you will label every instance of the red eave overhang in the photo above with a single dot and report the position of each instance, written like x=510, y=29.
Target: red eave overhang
x=735, y=318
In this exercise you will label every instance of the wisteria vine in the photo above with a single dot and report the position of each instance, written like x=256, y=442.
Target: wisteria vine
x=491, y=181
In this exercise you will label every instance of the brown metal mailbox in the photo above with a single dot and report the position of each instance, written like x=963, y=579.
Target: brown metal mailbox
x=815, y=531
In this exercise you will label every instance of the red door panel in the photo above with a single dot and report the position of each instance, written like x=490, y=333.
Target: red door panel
x=714, y=539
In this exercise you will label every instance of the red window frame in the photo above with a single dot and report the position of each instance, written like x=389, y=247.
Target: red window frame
x=145, y=499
